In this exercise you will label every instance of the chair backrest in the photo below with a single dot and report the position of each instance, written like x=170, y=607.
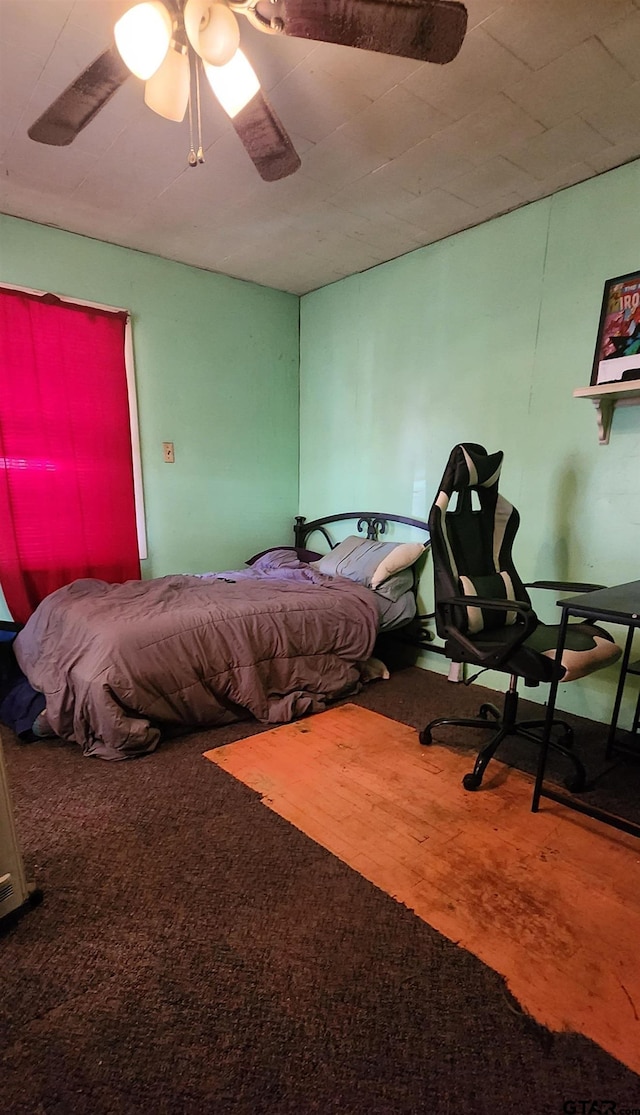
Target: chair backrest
x=471, y=545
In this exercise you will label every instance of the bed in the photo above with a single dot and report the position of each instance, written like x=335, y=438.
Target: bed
x=122, y=665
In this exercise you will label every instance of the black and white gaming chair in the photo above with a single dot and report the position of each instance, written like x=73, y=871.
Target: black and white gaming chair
x=484, y=613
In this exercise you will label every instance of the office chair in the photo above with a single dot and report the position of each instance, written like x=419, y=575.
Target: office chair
x=484, y=613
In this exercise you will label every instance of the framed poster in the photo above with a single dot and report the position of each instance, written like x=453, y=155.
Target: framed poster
x=617, y=356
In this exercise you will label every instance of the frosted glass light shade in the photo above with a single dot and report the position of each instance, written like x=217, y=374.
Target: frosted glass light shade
x=234, y=84
x=212, y=30
x=167, y=91
x=142, y=37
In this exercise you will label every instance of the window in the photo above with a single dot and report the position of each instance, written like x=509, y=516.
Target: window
x=70, y=480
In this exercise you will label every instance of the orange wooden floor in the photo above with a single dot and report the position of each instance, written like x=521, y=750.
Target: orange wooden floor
x=550, y=900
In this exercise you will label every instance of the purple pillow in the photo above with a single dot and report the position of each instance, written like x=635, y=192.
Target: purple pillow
x=299, y=551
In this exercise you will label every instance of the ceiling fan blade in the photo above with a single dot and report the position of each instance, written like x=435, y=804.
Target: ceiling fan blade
x=429, y=30
x=81, y=101
x=265, y=140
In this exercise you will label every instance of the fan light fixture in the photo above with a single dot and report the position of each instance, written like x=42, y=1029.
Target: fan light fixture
x=212, y=30
x=234, y=84
x=167, y=90
x=168, y=45
x=143, y=35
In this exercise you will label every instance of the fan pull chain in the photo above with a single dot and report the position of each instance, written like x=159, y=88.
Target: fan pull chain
x=192, y=157
x=200, y=155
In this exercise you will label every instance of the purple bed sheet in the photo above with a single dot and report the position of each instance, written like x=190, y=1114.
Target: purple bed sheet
x=121, y=664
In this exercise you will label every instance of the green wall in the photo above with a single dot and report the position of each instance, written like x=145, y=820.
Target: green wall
x=217, y=374
x=483, y=337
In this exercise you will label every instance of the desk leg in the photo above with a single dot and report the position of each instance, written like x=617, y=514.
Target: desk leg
x=551, y=708
x=619, y=691
x=636, y=719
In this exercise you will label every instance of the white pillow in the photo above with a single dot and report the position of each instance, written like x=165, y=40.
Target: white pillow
x=401, y=557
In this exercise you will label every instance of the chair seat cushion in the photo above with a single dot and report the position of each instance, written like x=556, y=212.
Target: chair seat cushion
x=587, y=648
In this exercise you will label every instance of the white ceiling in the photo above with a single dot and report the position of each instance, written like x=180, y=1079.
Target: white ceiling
x=395, y=154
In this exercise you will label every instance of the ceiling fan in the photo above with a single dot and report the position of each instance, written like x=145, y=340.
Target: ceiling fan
x=168, y=43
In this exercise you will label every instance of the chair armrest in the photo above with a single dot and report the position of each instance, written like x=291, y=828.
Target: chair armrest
x=516, y=634
x=565, y=586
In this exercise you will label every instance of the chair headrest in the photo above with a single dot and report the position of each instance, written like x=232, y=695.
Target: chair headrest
x=470, y=466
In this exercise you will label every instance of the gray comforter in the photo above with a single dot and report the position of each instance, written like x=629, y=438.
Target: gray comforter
x=118, y=664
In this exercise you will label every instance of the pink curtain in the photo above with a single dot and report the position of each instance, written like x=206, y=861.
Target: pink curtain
x=66, y=477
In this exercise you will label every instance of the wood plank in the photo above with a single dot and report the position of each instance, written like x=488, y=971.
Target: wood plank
x=550, y=900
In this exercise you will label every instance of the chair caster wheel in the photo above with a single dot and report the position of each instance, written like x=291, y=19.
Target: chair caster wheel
x=471, y=781
x=425, y=737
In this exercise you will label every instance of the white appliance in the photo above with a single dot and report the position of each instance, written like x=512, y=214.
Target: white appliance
x=14, y=889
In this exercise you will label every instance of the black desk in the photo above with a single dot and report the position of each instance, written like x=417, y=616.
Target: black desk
x=618, y=605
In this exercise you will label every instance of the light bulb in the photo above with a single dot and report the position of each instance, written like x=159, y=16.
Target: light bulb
x=233, y=84
x=212, y=30
x=142, y=37
x=167, y=91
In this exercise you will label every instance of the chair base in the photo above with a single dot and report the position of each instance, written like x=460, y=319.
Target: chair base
x=505, y=724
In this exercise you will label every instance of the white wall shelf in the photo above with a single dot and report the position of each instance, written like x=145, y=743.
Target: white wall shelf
x=605, y=397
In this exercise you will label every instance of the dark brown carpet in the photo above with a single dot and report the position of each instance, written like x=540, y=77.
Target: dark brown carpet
x=194, y=953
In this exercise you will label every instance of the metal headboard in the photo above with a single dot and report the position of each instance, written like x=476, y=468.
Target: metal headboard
x=375, y=522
